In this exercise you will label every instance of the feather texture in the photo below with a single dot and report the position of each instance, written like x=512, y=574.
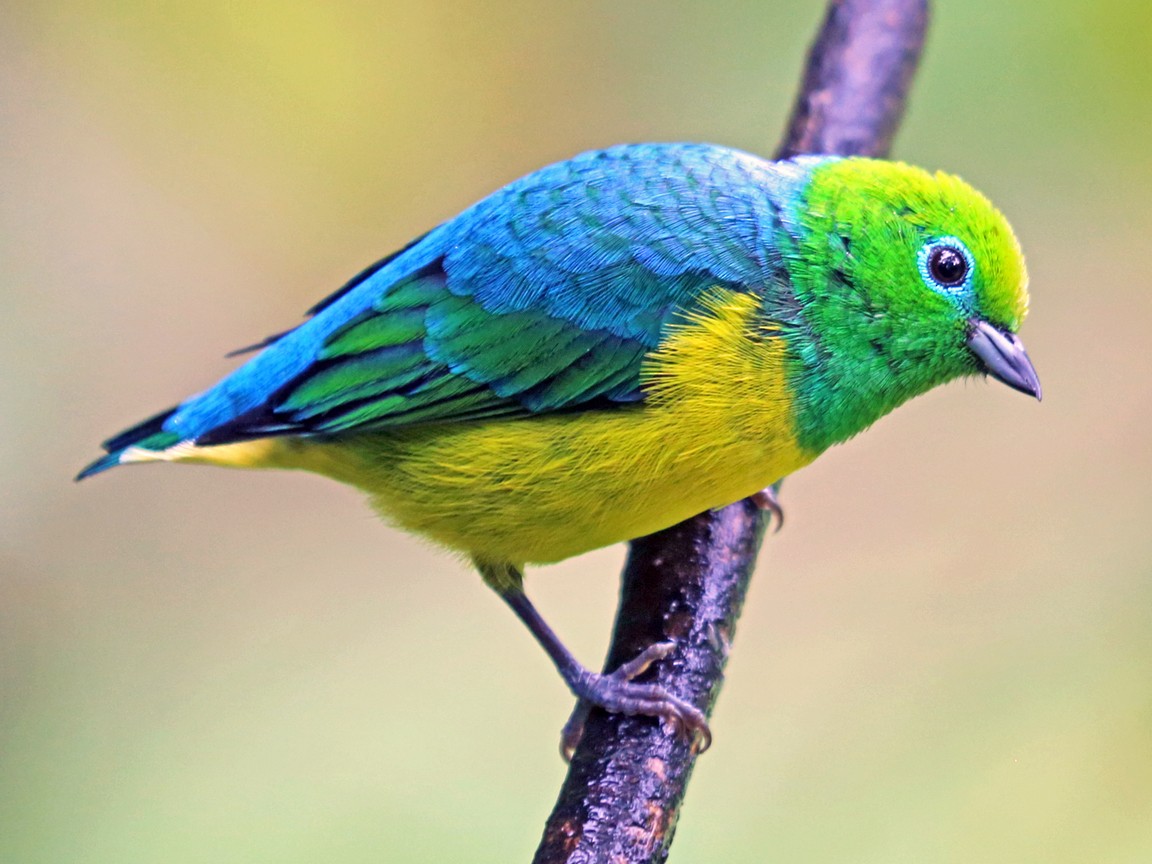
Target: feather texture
x=618, y=341
x=543, y=297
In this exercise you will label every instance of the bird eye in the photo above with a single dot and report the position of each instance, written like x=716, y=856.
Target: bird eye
x=946, y=265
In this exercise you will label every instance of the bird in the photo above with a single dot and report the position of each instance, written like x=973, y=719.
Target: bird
x=612, y=344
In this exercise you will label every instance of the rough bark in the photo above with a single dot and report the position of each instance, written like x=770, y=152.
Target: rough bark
x=624, y=788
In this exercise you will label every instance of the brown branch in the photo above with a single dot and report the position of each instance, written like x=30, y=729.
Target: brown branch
x=623, y=791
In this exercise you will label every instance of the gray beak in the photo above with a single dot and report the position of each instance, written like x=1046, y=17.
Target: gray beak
x=1002, y=355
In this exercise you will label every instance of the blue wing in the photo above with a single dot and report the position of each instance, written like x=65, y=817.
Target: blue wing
x=544, y=296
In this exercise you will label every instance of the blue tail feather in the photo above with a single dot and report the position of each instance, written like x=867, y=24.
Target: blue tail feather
x=149, y=435
x=102, y=464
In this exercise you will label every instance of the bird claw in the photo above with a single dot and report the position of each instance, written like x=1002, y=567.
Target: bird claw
x=617, y=693
x=766, y=499
x=573, y=732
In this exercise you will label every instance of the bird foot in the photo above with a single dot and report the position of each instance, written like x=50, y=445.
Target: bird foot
x=766, y=499
x=617, y=693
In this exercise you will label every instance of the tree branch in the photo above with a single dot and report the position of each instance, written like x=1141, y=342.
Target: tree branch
x=623, y=792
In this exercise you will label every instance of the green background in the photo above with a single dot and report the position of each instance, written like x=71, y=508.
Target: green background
x=945, y=657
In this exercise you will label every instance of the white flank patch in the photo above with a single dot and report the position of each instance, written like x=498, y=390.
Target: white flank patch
x=177, y=451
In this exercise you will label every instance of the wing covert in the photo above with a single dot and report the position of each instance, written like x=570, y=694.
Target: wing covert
x=543, y=297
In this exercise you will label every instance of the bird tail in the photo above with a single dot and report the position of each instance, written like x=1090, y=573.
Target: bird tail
x=145, y=442
x=149, y=441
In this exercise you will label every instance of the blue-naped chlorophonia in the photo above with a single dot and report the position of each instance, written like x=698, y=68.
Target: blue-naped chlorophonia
x=613, y=344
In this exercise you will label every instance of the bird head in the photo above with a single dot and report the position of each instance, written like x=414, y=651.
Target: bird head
x=918, y=279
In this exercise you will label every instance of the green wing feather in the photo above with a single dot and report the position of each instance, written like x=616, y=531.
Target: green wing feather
x=425, y=355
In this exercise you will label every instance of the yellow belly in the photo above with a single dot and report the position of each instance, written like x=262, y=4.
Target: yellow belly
x=535, y=491
x=716, y=427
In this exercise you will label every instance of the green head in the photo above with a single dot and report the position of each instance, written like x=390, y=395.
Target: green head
x=907, y=280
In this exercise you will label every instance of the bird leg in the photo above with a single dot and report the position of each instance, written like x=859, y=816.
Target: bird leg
x=673, y=710
x=615, y=692
x=766, y=499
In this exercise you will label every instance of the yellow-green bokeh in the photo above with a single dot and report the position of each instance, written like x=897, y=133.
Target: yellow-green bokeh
x=945, y=657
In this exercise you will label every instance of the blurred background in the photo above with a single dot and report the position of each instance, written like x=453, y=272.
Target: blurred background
x=945, y=657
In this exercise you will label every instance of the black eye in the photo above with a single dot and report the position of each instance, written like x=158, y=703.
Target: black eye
x=947, y=265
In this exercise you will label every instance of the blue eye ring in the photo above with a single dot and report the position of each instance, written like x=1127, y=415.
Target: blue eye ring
x=946, y=266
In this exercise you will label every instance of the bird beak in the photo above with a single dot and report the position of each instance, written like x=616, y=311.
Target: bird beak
x=1001, y=354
